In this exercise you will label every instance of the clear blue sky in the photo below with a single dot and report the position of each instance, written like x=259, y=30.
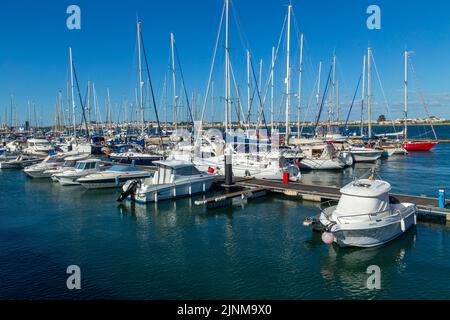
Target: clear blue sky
x=34, y=52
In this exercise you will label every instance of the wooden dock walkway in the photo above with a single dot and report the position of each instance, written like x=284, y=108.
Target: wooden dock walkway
x=249, y=188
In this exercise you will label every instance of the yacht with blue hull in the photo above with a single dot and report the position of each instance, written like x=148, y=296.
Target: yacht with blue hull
x=114, y=177
x=173, y=178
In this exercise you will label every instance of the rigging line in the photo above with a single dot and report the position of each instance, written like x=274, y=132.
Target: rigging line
x=211, y=71
x=184, y=85
x=310, y=101
x=261, y=111
x=323, y=99
x=81, y=99
x=422, y=97
x=269, y=78
x=384, y=94
x=351, y=106
x=151, y=89
x=238, y=106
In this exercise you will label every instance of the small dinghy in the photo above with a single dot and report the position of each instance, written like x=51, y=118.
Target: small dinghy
x=365, y=216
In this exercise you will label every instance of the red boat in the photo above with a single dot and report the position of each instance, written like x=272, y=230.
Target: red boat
x=419, y=145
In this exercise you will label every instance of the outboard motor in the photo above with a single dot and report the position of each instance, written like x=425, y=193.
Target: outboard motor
x=130, y=190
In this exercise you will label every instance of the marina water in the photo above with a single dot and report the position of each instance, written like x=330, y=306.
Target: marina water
x=177, y=250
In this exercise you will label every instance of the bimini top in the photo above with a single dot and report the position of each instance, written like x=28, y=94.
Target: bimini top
x=174, y=163
x=366, y=188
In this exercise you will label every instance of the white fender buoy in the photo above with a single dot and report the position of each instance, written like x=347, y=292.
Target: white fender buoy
x=402, y=225
x=415, y=218
x=327, y=237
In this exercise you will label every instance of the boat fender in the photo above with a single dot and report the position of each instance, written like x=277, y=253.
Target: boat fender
x=131, y=190
x=415, y=218
x=327, y=237
x=402, y=225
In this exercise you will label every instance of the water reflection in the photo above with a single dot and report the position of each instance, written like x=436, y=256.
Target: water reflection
x=346, y=267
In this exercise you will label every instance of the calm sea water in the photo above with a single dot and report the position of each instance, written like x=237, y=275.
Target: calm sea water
x=176, y=250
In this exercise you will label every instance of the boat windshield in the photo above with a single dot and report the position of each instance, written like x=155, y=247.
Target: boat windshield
x=69, y=163
x=54, y=160
x=80, y=165
x=123, y=168
x=186, y=171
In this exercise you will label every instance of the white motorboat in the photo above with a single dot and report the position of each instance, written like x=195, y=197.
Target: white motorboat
x=173, y=178
x=322, y=157
x=362, y=154
x=38, y=147
x=114, y=177
x=19, y=162
x=69, y=164
x=366, y=216
x=50, y=162
x=81, y=169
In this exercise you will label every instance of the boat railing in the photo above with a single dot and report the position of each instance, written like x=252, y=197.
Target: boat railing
x=372, y=216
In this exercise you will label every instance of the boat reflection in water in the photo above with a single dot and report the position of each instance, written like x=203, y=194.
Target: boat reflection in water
x=347, y=267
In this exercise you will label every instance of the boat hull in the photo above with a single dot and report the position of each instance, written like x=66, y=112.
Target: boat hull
x=366, y=156
x=419, y=146
x=321, y=164
x=373, y=234
x=172, y=191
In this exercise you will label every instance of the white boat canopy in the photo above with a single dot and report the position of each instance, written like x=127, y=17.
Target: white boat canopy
x=363, y=197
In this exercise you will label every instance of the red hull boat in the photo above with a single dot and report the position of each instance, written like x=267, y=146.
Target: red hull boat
x=419, y=145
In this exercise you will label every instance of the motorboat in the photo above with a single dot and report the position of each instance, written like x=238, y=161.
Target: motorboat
x=366, y=215
x=38, y=147
x=81, y=169
x=173, y=178
x=136, y=158
x=38, y=170
x=69, y=164
x=323, y=157
x=363, y=154
x=19, y=162
x=114, y=177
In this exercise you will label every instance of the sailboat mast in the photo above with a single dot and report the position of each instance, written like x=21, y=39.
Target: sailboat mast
x=300, y=76
x=288, y=72
x=73, y=94
x=406, y=95
x=249, y=101
x=363, y=92
x=174, y=82
x=227, y=67
x=141, y=81
x=272, y=87
x=369, y=91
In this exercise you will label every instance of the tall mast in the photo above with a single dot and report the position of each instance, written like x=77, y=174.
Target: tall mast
x=88, y=104
x=272, y=88
x=369, y=91
x=95, y=106
x=174, y=82
x=109, y=108
x=300, y=76
x=288, y=72
x=73, y=95
x=141, y=81
x=333, y=95
x=363, y=92
x=249, y=101
x=406, y=94
x=318, y=84
x=227, y=68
